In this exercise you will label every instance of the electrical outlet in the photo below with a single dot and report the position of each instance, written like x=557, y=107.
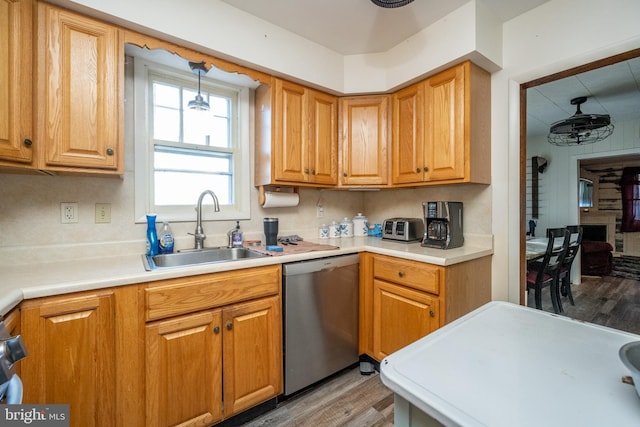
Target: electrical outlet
x=103, y=213
x=68, y=213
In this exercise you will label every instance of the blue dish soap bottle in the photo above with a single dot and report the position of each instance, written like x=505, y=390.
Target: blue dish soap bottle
x=152, y=235
x=165, y=243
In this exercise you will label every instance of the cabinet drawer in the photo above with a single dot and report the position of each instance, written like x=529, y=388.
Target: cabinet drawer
x=185, y=295
x=409, y=273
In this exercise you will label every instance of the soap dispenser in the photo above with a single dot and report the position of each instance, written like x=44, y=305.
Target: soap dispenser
x=236, y=236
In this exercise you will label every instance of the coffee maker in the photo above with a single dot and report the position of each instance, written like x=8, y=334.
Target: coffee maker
x=443, y=225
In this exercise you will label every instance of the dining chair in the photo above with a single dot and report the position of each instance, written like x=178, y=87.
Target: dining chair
x=545, y=273
x=575, y=240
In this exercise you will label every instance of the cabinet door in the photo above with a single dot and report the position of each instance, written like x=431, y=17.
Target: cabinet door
x=184, y=370
x=400, y=317
x=80, y=97
x=71, y=344
x=252, y=354
x=290, y=153
x=323, y=138
x=364, y=140
x=408, y=139
x=445, y=125
x=15, y=80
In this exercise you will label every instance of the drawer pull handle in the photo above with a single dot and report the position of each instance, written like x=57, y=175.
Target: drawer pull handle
x=216, y=329
x=229, y=326
x=27, y=142
x=432, y=313
x=400, y=273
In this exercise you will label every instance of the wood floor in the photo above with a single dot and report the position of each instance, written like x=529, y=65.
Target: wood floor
x=348, y=399
x=607, y=301
x=351, y=399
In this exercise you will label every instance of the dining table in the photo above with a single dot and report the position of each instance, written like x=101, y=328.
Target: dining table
x=535, y=247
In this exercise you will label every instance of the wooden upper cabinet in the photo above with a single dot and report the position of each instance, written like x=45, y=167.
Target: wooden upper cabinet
x=323, y=138
x=441, y=128
x=446, y=125
x=408, y=135
x=16, y=103
x=80, y=92
x=364, y=140
x=296, y=130
x=290, y=153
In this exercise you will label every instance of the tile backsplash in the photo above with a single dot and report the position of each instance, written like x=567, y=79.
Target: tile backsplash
x=30, y=212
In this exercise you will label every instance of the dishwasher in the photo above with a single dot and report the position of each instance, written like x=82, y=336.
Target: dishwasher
x=320, y=310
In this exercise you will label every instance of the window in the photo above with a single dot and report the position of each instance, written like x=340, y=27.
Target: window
x=585, y=192
x=182, y=152
x=630, y=186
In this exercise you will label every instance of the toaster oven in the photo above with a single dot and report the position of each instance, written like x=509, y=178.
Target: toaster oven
x=403, y=229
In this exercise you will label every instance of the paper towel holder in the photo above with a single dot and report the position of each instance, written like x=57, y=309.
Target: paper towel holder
x=275, y=188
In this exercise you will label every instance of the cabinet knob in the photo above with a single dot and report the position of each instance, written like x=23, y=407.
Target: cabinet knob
x=313, y=171
x=400, y=273
x=216, y=329
x=27, y=142
x=432, y=313
x=418, y=170
x=306, y=170
x=345, y=174
x=110, y=151
x=229, y=326
x=426, y=169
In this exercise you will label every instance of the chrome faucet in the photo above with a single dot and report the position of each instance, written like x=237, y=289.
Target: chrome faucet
x=199, y=233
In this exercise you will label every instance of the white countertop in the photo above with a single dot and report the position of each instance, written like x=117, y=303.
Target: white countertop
x=59, y=277
x=509, y=365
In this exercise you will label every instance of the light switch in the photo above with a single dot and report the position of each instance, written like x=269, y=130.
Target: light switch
x=103, y=213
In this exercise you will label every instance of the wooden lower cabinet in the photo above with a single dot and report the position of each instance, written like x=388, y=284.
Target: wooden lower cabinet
x=184, y=370
x=210, y=365
x=71, y=344
x=403, y=300
x=208, y=357
x=401, y=316
x=252, y=354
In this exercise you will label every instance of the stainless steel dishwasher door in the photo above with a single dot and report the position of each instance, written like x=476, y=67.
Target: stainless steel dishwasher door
x=320, y=319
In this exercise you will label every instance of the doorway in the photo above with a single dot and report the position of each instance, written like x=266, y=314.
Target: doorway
x=556, y=80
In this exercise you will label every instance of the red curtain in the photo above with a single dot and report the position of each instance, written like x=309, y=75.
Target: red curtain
x=630, y=187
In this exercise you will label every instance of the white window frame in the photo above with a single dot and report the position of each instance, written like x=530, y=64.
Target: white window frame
x=144, y=149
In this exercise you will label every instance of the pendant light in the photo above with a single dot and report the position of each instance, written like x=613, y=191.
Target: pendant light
x=580, y=129
x=198, y=103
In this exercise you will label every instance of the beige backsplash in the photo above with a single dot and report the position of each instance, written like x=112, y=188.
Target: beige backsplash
x=30, y=214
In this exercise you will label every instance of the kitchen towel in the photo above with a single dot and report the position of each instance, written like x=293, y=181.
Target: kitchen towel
x=276, y=199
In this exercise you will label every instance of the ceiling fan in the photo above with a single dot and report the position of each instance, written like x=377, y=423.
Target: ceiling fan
x=388, y=4
x=580, y=128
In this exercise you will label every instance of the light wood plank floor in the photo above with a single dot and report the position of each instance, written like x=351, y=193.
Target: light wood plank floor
x=348, y=399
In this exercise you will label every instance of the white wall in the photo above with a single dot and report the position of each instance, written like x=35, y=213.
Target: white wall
x=556, y=36
x=559, y=198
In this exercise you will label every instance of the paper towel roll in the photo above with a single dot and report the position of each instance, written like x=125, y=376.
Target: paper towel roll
x=280, y=200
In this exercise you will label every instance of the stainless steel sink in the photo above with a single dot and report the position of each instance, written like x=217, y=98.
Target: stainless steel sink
x=200, y=256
